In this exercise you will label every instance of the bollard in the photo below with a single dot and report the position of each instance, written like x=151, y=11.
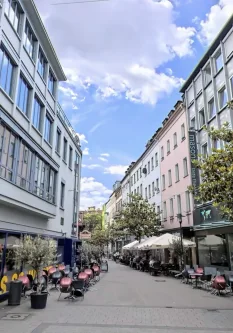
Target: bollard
x=15, y=292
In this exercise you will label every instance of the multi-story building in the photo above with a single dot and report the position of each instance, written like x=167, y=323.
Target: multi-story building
x=40, y=156
x=175, y=172
x=206, y=93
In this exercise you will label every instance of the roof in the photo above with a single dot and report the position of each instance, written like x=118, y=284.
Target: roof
x=208, y=53
x=41, y=31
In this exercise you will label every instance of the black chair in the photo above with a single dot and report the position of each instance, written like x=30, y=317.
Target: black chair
x=78, y=289
x=56, y=277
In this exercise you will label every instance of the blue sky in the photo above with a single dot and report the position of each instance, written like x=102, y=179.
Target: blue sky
x=125, y=61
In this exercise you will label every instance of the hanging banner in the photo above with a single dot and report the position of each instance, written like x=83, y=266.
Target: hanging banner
x=194, y=156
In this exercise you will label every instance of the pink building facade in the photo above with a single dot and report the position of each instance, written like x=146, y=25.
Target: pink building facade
x=176, y=200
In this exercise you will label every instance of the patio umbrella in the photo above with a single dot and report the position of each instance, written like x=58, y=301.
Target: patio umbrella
x=211, y=240
x=131, y=245
x=147, y=243
x=165, y=241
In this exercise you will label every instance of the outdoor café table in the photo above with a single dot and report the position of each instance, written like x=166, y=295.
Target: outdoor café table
x=197, y=275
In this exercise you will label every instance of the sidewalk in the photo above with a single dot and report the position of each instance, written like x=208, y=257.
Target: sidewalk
x=127, y=301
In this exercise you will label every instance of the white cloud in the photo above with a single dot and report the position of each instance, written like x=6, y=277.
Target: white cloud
x=96, y=126
x=93, y=193
x=116, y=170
x=105, y=154
x=124, y=44
x=86, y=151
x=91, y=166
x=103, y=159
x=214, y=21
x=82, y=138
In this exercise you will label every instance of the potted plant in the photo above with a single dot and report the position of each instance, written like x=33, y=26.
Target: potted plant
x=37, y=252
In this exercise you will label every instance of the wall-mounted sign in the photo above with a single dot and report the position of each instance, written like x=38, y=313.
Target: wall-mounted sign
x=85, y=234
x=194, y=156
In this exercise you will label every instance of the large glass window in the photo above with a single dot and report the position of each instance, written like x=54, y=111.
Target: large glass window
x=41, y=64
x=37, y=113
x=13, y=12
x=11, y=266
x=212, y=250
x=29, y=40
x=6, y=71
x=51, y=83
x=7, y=153
x=23, y=95
x=2, y=243
x=48, y=128
x=24, y=167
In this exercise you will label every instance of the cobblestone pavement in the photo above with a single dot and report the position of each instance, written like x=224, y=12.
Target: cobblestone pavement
x=126, y=301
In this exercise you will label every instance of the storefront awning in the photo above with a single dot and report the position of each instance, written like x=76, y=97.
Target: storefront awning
x=213, y=225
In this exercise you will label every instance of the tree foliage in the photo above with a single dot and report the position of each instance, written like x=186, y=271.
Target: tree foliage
x=137, y=218
x=217, y=172
x=99, y=237
x=92, y=220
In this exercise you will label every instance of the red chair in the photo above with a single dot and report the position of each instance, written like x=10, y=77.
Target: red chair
x=219, y=284
x=61, y=267
x=96, y=271
x=65, y=287
x=84, y=276
x=26, y=285
x=89, y=272
x=51, y=271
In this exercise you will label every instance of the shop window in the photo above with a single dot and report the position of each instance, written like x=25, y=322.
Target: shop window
x=11, y=266
x=2, y=243
x=212, y=250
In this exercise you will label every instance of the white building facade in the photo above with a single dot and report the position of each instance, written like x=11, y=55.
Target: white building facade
x=40, y=155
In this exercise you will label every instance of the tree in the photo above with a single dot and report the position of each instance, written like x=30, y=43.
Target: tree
x=217, y=173
x=138, y=218
x=92, y=220
x=178, y=250
x=99, y=237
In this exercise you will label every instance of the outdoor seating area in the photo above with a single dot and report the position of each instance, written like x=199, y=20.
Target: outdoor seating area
x=149, y=256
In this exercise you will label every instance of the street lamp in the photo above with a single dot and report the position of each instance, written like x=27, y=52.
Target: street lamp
x=179, y=216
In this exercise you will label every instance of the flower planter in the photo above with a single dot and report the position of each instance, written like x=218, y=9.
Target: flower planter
x=38, y=301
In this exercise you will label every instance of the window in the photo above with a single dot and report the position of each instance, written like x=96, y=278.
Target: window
x=58, y=141
x=149, y=188
x=158, y=210
x=70, y=157
x=64, y=149
x=146, y=193
x=222, y=97
x=164, y=210
x=156, y=159
x=177, y=172
x=218, y=61
x=185, y=166
x=134, y=191
x=29, y=40
x=7, y=153
x=175, y=140
x=211, y=108
x=157, y=185
x=134, y=178
x=216, y=144
x=207, y=74
x=169, y=178
x=168, y=147
x=37, y=114
x=152, y=163
x=6, y=71
x=13, y=12
x=188, y=203
x=182, y=132
x=24, y=169
x=140, y=172
x=137, y=176
x=41, y=64
x=138, y=190
x=179, y=210
x=162, y=153
x=131, y=180
x=171, y=208
x=204, y=150
x=153, y=188
x=231, y=83
x=48, y=128
x=62, y=197
x=23, y=95
x=201, y=118
x=62, y=221
x=163, y=182
x=149, y=167
x=141, y=189
x=51, y=83
x=193, y=123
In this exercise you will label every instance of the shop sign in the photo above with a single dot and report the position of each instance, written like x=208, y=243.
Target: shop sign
x=194, y=156
x=85, y=235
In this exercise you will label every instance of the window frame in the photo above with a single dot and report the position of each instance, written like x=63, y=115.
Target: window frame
x=210, y=102
x=218, y=55
x=17, y=9
x=36, y=99
x=185, y=167
x=45, y=62
x=51, y=89
x=188, y=201
x=7, y=87
x=203, y=122
x=202, y=148
x=58, y=142
x=163, y=183
x=168, y=147
x=175, y=140
x=48, y=120
x=191, y=120
x=64, y=153
x=70, y=157
x=62, y=195
x=170, y=177
x=220, y=91
x=179, y=206
x=29, y=89
x=164, y=210
x=177, y=172
x=171, y=201
x=162, y=153
x=183, y=136
x=32, y=40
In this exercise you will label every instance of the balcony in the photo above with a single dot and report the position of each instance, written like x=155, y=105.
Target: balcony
x=12, y=195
